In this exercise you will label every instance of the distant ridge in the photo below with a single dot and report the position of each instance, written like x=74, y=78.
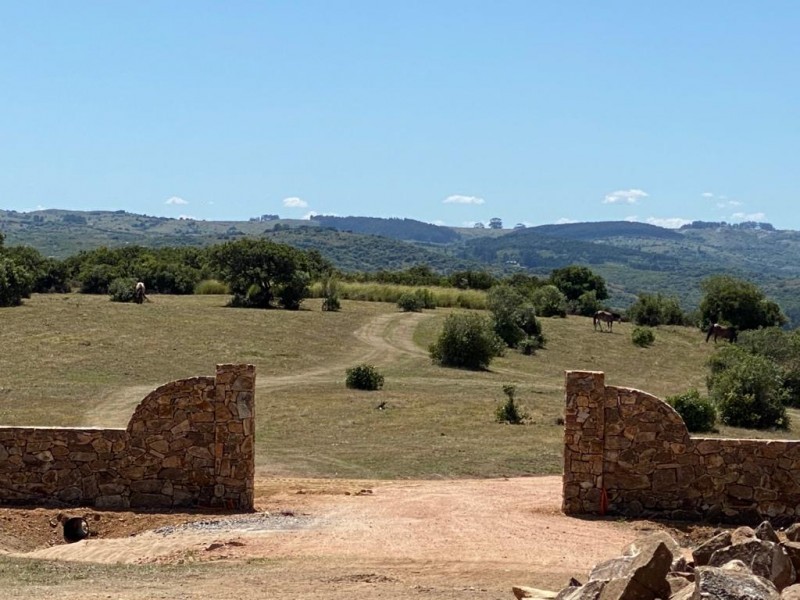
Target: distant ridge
x=604, y=229
x=395, y=228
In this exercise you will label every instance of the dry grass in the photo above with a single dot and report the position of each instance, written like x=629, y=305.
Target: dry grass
x=83, y=360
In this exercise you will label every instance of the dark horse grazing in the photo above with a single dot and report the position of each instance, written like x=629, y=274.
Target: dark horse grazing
x=604, y=316
x=720, y=331
x=138, y=293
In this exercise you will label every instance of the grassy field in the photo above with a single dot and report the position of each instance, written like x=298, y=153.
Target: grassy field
x=72, y=360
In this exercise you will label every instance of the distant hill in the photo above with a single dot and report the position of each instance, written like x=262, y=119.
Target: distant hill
x=399, y=229
x=632, y=257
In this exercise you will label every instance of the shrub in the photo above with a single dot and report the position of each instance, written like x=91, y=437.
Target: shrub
x=364, y=377
x=749, y=392
x=698, y=413
x=122, y=289
x=586, y=305
x=15, y=283
x=425, y=297
x=642, y=336
x=509, y=411
x=504, y=303
x=467, y=340
x=654, y=309
x=410, y=302
x=211, y=287
x=330, y=295
x=549, y=301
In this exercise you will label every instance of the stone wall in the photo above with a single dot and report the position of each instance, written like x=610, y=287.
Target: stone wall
x=188, y=443
x=627, y=452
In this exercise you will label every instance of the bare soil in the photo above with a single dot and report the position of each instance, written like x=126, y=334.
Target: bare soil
x=348, y=539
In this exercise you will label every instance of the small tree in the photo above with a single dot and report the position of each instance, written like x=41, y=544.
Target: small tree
x=468, y=341
x=510, y=411
x=409, y=302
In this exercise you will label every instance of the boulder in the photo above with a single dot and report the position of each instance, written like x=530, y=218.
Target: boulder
x=791, y=593
x=793, y=550
x=742, y=534
x=521, y=591
x=767, y=533
x=589, y=591
x=641, y=574
x=766, y=559
x=793, y=532
x=714, y=583
x=703, y=552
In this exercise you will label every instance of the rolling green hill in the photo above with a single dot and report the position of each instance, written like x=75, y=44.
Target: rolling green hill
x=632, y=257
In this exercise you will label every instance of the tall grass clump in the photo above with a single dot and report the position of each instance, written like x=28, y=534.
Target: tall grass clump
x=433, y=296
x=211, y=287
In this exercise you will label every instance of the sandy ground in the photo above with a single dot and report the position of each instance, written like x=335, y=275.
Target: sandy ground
x=351, y=539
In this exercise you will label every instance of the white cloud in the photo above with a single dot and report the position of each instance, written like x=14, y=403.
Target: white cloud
x=707, y=195
x=439, y=223
x=668, y=222
x=459, y=199
x=632, y=219
x=734, y=203
x=631, y=196
x=295, y=202
x=176, y=200
x=565, y=221
x=740, y=216
x=309, y=215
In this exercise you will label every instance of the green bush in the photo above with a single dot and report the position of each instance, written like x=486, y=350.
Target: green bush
x=211, y=287
x=549, y=301
x=642, y=336
x=468, y=341
x=364, y=377
x=16, y=283
x=749, y=392
x=697, y=412
x=509, y=411
x=410, y=302
x=122, y=289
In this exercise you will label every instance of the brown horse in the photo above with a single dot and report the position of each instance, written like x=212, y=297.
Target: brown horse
x=721, y=331
x=604, y=316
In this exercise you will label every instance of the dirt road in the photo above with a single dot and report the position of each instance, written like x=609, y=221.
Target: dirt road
x=358, y=539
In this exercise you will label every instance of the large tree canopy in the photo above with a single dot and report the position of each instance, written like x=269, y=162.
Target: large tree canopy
x=259, y=272
x=738, y=303
x=575, y=280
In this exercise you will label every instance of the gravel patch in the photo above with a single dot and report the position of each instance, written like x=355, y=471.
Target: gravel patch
x=265, y=521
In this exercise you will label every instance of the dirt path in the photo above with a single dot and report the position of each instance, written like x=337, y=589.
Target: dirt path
x=382, y=340
x=396, y=537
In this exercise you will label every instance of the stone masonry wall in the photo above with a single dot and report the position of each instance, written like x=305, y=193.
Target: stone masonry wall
x=188, y=443
x=627, y=452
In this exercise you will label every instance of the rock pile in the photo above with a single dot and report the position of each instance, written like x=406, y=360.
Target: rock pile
x=743, y=564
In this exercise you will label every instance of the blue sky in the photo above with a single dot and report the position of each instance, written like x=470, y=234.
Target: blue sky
x=450, y=112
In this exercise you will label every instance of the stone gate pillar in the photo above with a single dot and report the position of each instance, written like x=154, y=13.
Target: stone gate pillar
x=234, y=435
x=584, y=442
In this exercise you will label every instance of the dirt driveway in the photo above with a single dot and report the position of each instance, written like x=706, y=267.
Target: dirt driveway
x=346, y=539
